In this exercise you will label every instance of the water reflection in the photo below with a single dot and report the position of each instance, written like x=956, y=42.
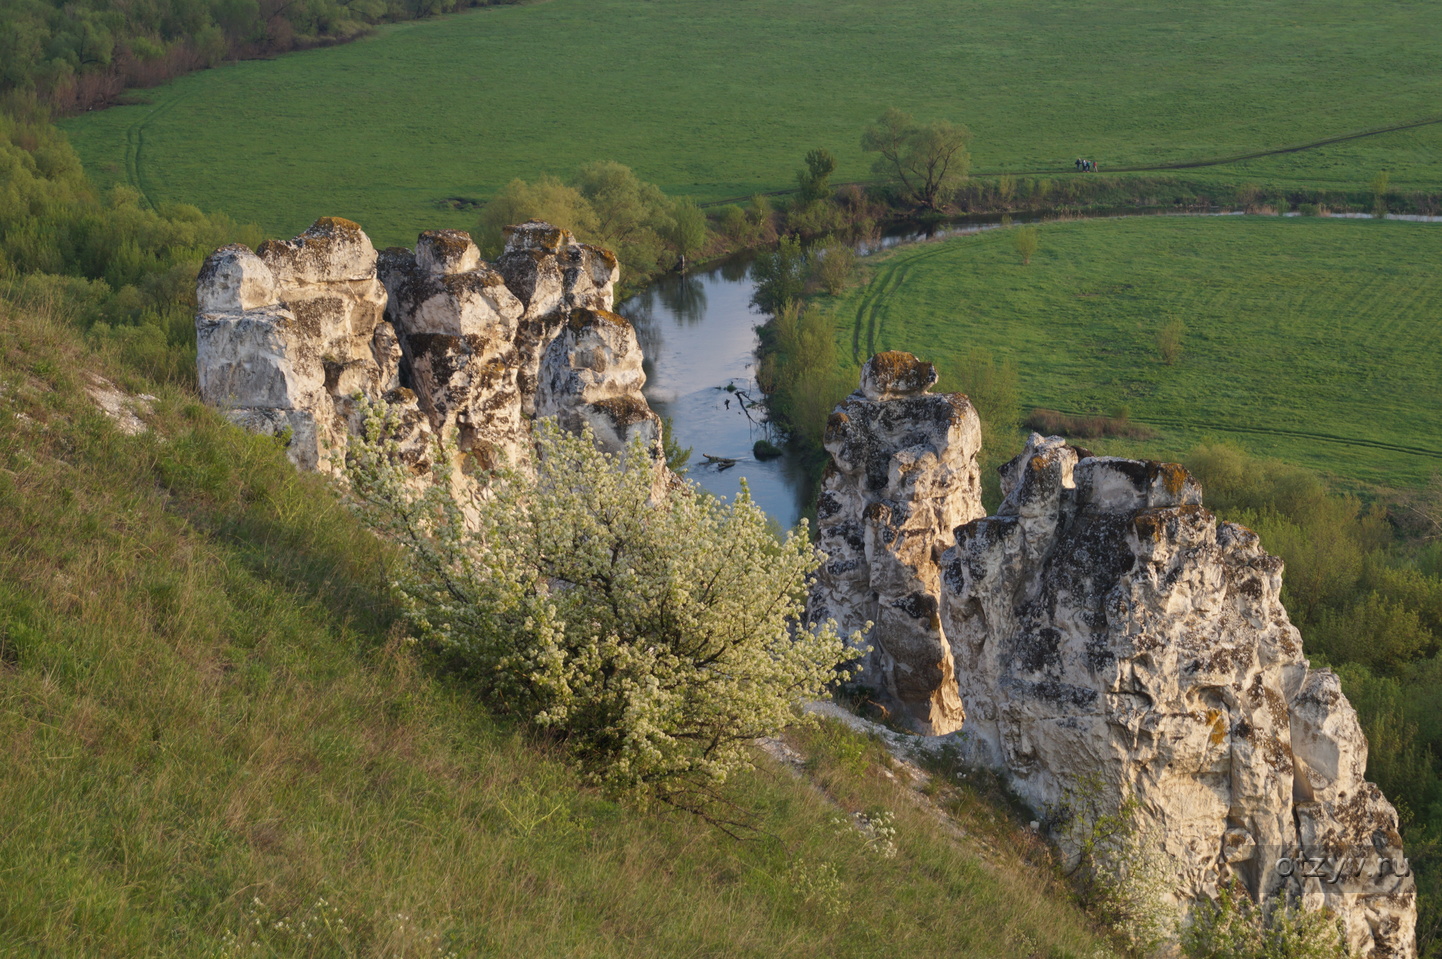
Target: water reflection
x=699, y=335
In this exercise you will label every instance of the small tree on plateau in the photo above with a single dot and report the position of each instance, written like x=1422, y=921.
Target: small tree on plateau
x=927, y=161
x=658, y=639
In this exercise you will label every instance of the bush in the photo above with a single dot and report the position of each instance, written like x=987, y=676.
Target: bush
x=657, y=639
x=1025, y=240
x=832, y=265
x=1233, y=927
x=1169, y=341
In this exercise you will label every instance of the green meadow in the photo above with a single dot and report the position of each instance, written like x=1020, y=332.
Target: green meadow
x=1312, y=340
x=722, y=99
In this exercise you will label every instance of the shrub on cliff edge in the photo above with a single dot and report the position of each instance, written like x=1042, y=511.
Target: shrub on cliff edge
x=658, y=639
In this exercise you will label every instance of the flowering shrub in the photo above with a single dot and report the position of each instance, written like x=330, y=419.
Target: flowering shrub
x=659, y=639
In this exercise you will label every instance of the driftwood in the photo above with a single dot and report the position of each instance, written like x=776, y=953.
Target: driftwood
x=720, y=462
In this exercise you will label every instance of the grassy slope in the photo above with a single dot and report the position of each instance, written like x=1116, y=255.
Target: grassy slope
x=1309, y=339
x=203, y=702
x=721, y=99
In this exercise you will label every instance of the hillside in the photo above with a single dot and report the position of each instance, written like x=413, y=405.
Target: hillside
x=210, y=724
x=723, y=100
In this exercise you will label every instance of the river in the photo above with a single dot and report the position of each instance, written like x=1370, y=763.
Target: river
x=698, y=332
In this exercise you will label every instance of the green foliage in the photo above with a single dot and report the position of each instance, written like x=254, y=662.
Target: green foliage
x=658, y=640
x=803, y=374
x=1120, y=870
x=1233, y=927
x=547, y=198
x=814, y=182
x=607, y=204
x=780, y=276
x=926, y=161
x=1025, y=240
x=833, y=263
x=1169, y=340
x=677, y=456
x=686, y=234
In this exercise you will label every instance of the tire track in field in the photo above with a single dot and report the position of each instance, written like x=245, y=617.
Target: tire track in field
x=135, y=149
x=868, y=312
x=1297, y=434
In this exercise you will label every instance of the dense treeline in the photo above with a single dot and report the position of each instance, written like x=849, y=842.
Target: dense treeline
x=110, y=263
x=81, y=54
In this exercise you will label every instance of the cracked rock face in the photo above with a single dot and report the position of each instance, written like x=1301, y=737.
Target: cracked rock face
x=1107, y=628
x=289, y=335
x=1104, y=639
x=903, y=475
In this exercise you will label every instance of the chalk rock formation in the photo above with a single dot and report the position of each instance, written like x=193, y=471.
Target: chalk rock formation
x=552, y=275
x=1106, y=644
x=1107, y=630
x=591, y=377
x=291, y=334
x=903, y=475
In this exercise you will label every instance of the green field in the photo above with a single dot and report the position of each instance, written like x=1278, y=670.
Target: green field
x=1313, y=340
x=719, y=99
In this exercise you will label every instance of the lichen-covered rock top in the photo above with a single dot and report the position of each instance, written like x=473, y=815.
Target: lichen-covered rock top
x=234, y=279
x=447, y=251
x=895, y=374
x=539, y=236
x=332, y=250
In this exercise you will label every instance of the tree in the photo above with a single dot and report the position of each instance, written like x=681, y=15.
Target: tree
x=1025, y=240
x=685, y=231
x=1169, y=341
x=546, y=199
x=814, y=182
x=780, y=276
x=832, y=264
x=927, y=161
x=657, y=639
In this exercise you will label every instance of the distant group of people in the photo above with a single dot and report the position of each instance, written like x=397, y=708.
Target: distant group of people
x=1086, y=166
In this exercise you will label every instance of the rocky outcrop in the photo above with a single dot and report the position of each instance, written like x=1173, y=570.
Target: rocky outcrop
x=287, y=335
x=1111, y=645
x=1108, y=629
x=291, y=334
x=903, y=474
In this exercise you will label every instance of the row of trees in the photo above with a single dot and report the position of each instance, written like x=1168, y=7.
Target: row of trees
x=81, y=54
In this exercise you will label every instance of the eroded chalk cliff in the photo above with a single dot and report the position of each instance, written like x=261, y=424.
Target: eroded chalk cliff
x=1104, y=634
x=292, y=334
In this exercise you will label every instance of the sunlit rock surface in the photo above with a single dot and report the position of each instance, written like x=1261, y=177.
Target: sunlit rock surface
x=292, y=334
x=1103, y=640
x=1108, y=630
x=903, y=475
